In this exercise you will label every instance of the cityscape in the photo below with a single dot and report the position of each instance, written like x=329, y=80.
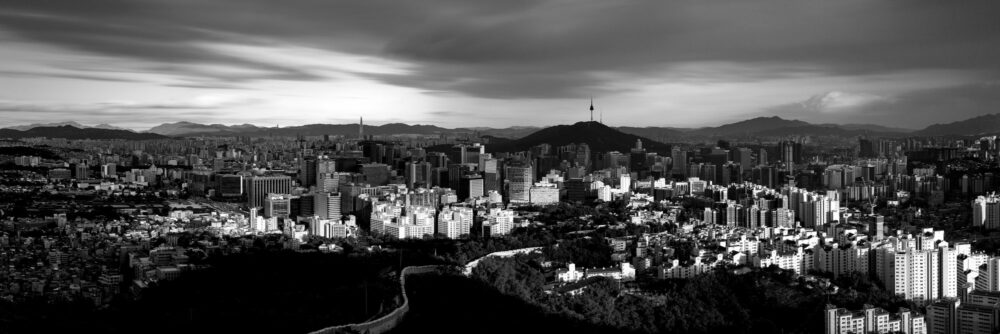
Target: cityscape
x=455, y=167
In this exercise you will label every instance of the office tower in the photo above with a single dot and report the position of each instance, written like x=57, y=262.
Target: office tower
x=109, y=170
x=231, y=185
x=637, y=159
x=838, y=176
x=582, y=156
x=418, y=174
x=81, y=171
x=765, y=175
x=577, y=190
x=304, y=205
x=376, y=174
x=437, y=159
x=307, y=172
x=743, y=156
x=791, y=152
x=869, y=148
x=876, y=228
x=520, y=179
x=470, y=186
x=544, y=194
x=455, y=172
x=469, y=154
x=258, y=187
x=313, y=169
x=327, y=205
x=277, y=205
x=986, y=212
x=327, y=182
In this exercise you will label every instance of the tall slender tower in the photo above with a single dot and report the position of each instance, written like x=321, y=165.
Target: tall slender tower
x=592, y=109
x=361, y=128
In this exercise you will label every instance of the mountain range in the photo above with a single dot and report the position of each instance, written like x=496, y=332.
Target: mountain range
x=759, y=127
x=73, y=124
x=347, y=130
x=72, y=132
x=980, y=125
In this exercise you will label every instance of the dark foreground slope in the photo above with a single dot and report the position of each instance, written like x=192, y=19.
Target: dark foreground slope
x=283, y=292
x=456, y=304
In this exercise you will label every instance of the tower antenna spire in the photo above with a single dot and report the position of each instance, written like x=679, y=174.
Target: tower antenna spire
x=591, y=109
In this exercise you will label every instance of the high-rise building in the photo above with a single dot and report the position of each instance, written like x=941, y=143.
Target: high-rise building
x=80, y=171
x=470, y=186
x=327, y=205
x=876, y=228
x=230, y=185
x=979, y=313
x=418, y=174
x=258, y=187
x=913, y=274
x=520, y=181
x=948, y=272
x=109, y=170
x=743, y=156
x=499, y=222
x=986, y=212
x=454, y=222
x=376, y=174
x=544, y=193
x=277, y=205
x=989, y=275
x=942, y=316
x=678, y=160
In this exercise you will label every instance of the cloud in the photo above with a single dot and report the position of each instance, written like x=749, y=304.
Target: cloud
x=913, y=109
x=838, y=101
x=531, y=54
x=121, y=112
x=524, y=49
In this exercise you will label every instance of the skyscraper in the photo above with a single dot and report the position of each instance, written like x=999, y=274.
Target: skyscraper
x=520, y=180
x=327, y=205
x=259, y=186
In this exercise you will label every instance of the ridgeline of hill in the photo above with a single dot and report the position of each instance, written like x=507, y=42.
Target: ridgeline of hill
x=71, y=132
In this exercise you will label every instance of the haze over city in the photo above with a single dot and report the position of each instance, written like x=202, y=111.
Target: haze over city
x=136, y=64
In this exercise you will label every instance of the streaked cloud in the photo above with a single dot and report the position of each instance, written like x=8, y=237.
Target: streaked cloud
x=683, y=63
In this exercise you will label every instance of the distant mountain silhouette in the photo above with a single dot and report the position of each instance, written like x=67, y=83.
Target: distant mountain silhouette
x=71, y=132
x=980, y=125
x=870, y=127
x=188, y=128
x=750, y=126
x=109, y=127
x=599, y=137
x=195, y=129
x=38, y=125
x=70, y=123
x=662, y=134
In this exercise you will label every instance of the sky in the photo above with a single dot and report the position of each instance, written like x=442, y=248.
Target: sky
x=463, y=63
